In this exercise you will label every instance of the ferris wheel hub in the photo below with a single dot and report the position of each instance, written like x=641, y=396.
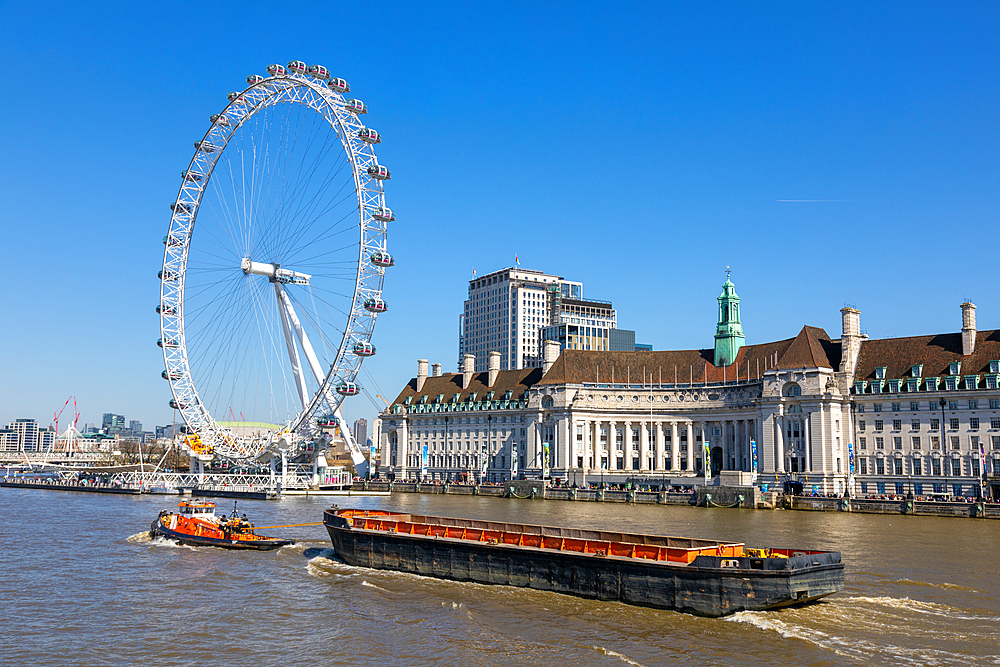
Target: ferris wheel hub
x=274, y=272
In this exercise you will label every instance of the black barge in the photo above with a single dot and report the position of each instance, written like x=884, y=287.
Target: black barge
x=702, y=577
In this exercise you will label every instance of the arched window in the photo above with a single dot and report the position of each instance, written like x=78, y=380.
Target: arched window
x=791, y=389
x=547, y=402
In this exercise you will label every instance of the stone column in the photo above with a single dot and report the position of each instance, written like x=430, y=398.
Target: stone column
x=644, y=445
x=627, y=445
x=659, y=464
x=595, y=434
x=807, y=441
x=779, y=444
x=675, y=446
x=690, y=445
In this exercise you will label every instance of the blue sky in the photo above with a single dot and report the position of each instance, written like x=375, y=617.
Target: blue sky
x=638, y=148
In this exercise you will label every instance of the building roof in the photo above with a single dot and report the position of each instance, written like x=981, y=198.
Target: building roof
x=811, y=348
x=448, y=384
x=934, y=352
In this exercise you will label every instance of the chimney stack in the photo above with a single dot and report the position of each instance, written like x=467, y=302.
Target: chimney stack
x=494, y=367
x=850, y=340
x=968, y=328
x=550, y=352
x=421, y=373
x=468, y=368
x=435, y=370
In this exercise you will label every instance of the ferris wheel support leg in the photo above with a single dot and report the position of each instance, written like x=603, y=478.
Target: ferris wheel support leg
x=293, y=352
x=307, y=347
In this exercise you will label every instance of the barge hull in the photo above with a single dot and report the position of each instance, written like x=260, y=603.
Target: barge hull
x=703, y=587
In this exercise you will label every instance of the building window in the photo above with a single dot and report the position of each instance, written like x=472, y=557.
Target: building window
x=953, y=424
x=916, y=467
x=914, y=406
x=877, y=407
x=915, y=441
x=995, y=404
x=914, y=424
x=863, y=466
x=897, y=424
x=878, y=424
x=935, y=424
x=897, y=442
x=996, y=441
x=879, y=443
x=935, y=442
x=955, y=443
x=861, y=425
x=953, y=405
x=936, y=467
x=861, y=407
x=995, y=423
x=863, y=443
x=897, y=465
x=895, y=407
x=879, y=466
x=973, y=423
x=973, y=404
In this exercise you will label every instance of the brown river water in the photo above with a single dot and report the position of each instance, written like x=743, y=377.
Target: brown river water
x=82, y=584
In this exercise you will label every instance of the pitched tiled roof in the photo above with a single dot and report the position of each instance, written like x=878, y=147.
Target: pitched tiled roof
x=516, y=381
x=811, y=348
x=934, y=352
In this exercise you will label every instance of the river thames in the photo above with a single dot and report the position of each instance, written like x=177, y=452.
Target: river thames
x=84, y=585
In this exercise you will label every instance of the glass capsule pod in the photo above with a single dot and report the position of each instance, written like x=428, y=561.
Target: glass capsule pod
x=376, y=305
x=166, y=342
x=296, y=67
x=170, y=376
x=382, y=259
x=234, y=96
x=219, y=119
x=339, y=85
x=356, y=106
x=166, y=310
x=364, y=349
x=180, y=207
x=254, y=79
x=379, y=172
x=382, y=214
x=369, y=136
x=276, y=70
x=177, y=405
x=348, y=389
x=166, y=275
x=191, y=175
x=318, y=72
x=205, y=146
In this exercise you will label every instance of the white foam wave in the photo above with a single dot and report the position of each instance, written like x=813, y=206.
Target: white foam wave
x=615, y=654
x=321, y=566
x=921, y=607
x=371, y=585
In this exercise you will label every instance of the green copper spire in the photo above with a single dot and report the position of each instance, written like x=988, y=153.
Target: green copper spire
x=729, y=336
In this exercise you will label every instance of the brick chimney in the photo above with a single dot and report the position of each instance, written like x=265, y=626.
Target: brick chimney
x=421, y=373
x=550, y=352
x=968, y=328
x=435, y=370
x=494, y=367
x=468, y=368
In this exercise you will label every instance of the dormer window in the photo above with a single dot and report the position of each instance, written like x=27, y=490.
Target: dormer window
x=995, y=366
x=859, y=387
x=954, y=368
x=992, y=381
x=916, y=370
x=951, y=383
x=455, y=397
x=507, y=394
x=439, y=399
x=972, y=382
x=406, y=401
x=894, y=386
x=489, y=395
x=932, y=384
x=876, y=386
x=423, y=400
x=912, y=384
x=472, y=397
x=880, y=373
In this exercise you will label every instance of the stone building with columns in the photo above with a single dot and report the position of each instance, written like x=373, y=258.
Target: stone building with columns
x=830, y=413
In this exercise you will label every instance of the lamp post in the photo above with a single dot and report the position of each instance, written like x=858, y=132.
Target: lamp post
x=945, y=454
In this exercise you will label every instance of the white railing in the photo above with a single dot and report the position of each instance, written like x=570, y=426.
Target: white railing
x=169, y=481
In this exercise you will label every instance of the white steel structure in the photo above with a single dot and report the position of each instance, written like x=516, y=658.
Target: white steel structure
x=273, y=266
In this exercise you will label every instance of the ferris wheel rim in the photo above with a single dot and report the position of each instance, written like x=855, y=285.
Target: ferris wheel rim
x=369, y=276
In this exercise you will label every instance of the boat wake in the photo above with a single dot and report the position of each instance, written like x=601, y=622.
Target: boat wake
x=322, y=564
x=946, y=585
x=615, y=654
x=884, y=629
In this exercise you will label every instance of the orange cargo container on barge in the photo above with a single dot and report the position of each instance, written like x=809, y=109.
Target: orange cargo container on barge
x=704, y=577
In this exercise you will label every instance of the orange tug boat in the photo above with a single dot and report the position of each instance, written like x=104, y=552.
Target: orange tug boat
x=197, y=525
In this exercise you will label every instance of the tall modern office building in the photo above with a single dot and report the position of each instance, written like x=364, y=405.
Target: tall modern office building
x=25, y=435
x=112, y=423
x=360, y=432
x=507, y=310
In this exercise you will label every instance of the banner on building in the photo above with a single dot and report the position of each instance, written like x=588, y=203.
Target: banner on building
x=708, y=461
x=545, y=459
x=423, y=461
x=753, y=461
x=486, y=461
x=513, y=461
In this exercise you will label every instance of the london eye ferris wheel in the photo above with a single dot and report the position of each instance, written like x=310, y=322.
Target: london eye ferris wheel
x=273, y=264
